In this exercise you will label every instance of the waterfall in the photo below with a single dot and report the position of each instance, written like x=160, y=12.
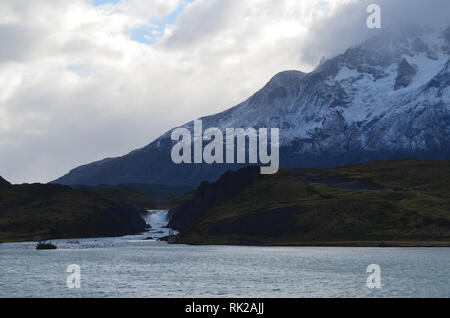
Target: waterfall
x=157, y=219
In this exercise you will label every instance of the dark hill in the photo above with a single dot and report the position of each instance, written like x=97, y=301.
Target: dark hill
x=4, y=183
x=54, y=211
x=403, y=202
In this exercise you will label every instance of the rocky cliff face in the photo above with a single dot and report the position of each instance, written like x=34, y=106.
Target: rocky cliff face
x=208, y=195
x=386, y=98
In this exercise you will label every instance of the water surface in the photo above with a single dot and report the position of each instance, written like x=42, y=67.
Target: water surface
x=132, y=266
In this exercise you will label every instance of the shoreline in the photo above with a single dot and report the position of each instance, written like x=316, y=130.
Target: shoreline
x=379, y=244
x=372, y=244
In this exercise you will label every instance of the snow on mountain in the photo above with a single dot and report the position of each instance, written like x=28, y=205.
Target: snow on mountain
x=388, y=97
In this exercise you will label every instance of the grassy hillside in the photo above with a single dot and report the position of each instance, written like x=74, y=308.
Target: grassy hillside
x=54, y=211
x=405, y=202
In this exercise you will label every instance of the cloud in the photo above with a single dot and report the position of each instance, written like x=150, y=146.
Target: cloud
x=22, y=42
x=347, y=27
x=78, y=87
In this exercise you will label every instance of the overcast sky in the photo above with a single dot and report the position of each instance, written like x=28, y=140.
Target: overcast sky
x=86, y=79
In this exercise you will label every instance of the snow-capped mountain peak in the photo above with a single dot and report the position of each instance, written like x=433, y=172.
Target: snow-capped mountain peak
x=387, y=97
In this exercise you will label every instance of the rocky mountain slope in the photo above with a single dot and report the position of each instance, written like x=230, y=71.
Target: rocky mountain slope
x=384, y=203
x=386, y=98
